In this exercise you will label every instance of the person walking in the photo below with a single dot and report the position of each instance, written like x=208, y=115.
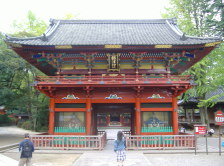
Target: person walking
x=119, y=148
x=26, y=148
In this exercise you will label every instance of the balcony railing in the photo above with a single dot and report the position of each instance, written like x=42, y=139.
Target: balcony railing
x=110, y=80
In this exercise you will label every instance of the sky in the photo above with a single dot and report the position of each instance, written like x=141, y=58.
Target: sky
x=81, y=9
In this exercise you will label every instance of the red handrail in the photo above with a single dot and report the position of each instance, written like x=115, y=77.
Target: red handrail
x=128, y=79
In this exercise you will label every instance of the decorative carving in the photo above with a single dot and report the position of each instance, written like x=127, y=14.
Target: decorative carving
x=154, y=121
x=70, y=96
x=113, y=46
x=88, y=90
x=113, y=96
x=89, y=58
x=73, y=122
x=163, y=46
x=156, y=96
x=63, y=47
x=137, y=57
x=212, y=44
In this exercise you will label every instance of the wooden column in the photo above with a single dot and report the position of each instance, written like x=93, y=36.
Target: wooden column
x=51, y=117
x=175, y=115
x=88, y=116
x=137, y=116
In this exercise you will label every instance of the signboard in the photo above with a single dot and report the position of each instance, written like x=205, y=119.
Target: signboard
x=113, y=62
x=200, y=129
x=219, y=118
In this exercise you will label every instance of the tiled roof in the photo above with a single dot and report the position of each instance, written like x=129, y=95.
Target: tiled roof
x=216, y=92
x=213, y=93
x=113, y=32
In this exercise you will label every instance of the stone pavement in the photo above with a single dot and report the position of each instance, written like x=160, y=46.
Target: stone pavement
x=7, y=161
x=108, y=158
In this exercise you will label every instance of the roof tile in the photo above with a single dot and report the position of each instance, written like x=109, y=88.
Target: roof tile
x=122, y=32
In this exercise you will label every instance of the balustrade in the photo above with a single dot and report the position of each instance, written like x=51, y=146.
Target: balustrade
x=128, y=79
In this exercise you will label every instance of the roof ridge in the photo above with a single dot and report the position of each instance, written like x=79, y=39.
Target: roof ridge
x=111, y=21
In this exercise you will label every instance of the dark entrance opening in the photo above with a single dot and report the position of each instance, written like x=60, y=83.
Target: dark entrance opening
x=113, y=115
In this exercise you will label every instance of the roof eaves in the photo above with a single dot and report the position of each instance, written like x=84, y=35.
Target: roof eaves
x=43, y=37
x=52, y=29
x=12, y=39
x=182, y=35
x=175, y=29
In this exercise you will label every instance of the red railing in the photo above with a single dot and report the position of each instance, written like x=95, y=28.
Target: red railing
x=128, y=79
x=160, y=142
x=64, y=142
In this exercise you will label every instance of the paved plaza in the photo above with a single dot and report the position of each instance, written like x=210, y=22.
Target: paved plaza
x=108, y=158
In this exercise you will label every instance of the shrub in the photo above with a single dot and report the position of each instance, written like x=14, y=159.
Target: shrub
x=43, y=129
x=4, y=119
x=27, y=125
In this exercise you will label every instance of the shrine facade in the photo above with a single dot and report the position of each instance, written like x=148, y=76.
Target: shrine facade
x=113, y=73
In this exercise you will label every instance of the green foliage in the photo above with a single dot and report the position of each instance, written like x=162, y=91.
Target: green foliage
x=33, y=26
x=69, y=16
x=27, y=125
x=190, y=15
x=17, y=75
x=4, y=119
x=215, y=19
x=193, y=17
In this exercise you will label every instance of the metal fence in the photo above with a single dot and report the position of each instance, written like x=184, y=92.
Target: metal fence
x=66, y=142
x=160, y=142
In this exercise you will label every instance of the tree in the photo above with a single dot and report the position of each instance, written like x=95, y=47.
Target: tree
x=17, y=75
x=215, y=19
x=31, y=27
x=193, y=17
x=190, y=15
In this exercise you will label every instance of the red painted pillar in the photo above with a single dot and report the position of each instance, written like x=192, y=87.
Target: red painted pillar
x=88, y=116
x=175, y=115
x=137, y=116
x=51, y=117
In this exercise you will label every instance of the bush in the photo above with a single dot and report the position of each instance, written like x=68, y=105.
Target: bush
x=4, y=119
x=43, y=129
x=27, y=125
x=19, y=124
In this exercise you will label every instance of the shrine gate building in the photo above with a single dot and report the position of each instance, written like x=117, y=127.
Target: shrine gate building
x=113, y=73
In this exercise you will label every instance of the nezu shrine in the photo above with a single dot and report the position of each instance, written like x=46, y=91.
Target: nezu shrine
x=113, y=73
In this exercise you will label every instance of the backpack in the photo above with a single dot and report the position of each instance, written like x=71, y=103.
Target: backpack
x=26, y=149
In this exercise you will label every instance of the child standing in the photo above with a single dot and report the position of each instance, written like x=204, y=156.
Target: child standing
x=119, y=148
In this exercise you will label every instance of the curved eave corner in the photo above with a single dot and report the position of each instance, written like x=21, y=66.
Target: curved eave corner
x=17, y=42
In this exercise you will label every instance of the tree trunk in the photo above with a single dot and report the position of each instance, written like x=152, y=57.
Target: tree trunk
x=202, y=115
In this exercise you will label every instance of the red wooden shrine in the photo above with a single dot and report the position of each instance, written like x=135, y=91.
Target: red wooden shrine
x=113, y=73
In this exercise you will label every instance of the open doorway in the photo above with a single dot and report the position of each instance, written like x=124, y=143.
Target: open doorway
x=113, y=116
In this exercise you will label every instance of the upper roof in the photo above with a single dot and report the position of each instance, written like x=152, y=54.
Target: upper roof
x=113, y=32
